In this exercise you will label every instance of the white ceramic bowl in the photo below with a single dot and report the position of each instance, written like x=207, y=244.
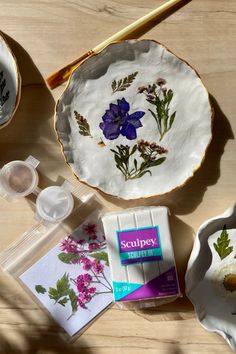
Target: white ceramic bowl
x=10, y=83
x=135, y=120
x=208, y=285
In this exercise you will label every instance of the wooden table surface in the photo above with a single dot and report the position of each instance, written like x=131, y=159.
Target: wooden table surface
x=45, y=35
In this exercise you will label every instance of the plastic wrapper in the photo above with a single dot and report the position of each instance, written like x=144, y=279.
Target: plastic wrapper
x=64, y=266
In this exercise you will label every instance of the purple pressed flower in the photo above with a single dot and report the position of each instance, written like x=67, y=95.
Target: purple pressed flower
x=87, y=264
x=97, y=266
x=150, y=98
x=117, y=120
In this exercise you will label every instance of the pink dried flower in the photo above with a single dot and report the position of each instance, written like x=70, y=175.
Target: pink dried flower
x=87, y=278
x=97, y=266
x=93, y=237
x=81, y=304
x=69, y=245
x=91, y=290
x=81, y=242
x=80, y=286
x=87, y=264
x=84, y=296
x=93, y=246
x=84, y=278
x=82, y=281
x=90, y=229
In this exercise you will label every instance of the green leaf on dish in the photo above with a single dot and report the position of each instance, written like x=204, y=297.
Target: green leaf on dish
x=222, y=246
x=123, y=84
x=84, y=128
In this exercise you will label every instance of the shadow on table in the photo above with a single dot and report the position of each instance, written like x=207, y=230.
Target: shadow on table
x=30, y=126
x=186, y=199
x=28, y=336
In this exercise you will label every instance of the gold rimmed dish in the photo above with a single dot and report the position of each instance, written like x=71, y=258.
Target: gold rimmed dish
x=134, y=120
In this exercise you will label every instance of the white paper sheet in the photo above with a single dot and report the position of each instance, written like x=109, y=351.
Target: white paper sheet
x=46, y=272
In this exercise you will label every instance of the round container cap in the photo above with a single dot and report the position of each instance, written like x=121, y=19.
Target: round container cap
x=18, y=179
x=54, y=204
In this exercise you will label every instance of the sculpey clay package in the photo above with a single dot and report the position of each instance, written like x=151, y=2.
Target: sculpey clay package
x=141, y=255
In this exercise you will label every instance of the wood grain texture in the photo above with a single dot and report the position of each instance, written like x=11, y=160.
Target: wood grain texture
x=46, y=35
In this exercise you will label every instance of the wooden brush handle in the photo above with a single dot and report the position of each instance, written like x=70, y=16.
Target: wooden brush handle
x=62, y=75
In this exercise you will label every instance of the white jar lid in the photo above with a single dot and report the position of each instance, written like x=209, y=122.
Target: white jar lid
x=54, y=204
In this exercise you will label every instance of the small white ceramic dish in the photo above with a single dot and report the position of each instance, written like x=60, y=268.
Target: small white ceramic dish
x=135, y=120
x=10, y=83
x=211, y=276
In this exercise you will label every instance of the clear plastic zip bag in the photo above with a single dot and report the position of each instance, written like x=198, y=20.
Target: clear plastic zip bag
x=64, y=266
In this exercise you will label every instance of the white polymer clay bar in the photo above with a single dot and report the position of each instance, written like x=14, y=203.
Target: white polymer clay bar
x=140, y=273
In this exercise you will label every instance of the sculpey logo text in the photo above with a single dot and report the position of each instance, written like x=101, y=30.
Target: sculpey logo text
x=138, y=239
x=138, y=243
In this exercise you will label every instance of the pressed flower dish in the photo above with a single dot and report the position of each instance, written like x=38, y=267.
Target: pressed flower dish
x=211, y=275
x=134, y=120
x=10, y=83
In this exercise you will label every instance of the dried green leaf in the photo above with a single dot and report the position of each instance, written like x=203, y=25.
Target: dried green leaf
x=63, y=285
x=157, y=162
x=68, y=258
x=63, y=301
x=123, y=84
x=40, y=289
x=113, y=85
x=100, y=256
x=114, y=151
x=144, y=172
x=73, y=300
x=222, y=246
x=117, y=159
x=62, y=288
x=169, y=96
x=53, y=294
x=84, y=128
x=172, y=118
x=153, y=114
x=134, y=149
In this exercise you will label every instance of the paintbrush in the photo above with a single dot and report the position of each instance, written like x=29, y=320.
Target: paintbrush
x=63, y=74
